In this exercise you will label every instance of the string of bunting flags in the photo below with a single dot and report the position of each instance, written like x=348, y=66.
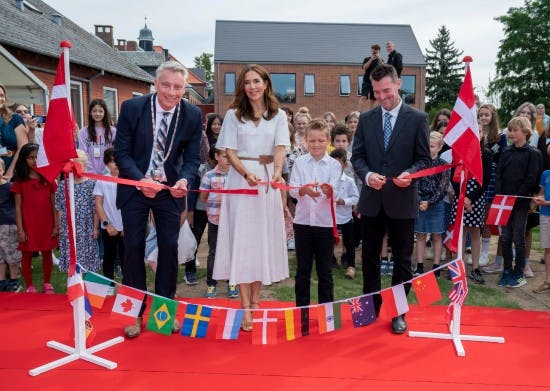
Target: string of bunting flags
x=294, y=322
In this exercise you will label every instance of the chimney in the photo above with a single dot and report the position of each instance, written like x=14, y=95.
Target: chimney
x=121, y=45
x=166, y=55
x=105, y=33
x=20, y=5
x=56, y=18
x=131, y=46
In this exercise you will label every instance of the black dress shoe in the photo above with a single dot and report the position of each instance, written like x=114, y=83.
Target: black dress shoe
x=398, y=324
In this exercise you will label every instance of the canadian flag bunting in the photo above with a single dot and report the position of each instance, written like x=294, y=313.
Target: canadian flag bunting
x=501, y=209
x=57, y=145
x=462, y=133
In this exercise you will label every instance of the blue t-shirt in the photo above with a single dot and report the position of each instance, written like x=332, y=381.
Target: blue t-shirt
x=7, y=205
x=545, y=183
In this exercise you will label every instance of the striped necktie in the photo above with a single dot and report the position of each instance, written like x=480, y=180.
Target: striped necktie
x=387, y=129
x=161, y=140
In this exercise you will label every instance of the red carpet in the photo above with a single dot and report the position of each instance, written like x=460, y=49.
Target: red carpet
x=349, y=358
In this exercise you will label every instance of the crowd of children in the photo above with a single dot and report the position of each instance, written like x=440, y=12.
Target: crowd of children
x=318, y=169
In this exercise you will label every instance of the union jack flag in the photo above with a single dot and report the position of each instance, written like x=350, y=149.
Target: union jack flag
x=459, y=290
x=355, y=306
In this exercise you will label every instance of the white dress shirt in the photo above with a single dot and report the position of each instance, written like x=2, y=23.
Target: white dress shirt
x=310, y=211
x=347, y=190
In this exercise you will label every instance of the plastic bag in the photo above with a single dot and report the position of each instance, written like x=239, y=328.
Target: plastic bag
x=187, y=245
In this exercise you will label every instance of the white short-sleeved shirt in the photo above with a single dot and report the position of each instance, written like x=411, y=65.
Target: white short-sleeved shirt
x=108, y=191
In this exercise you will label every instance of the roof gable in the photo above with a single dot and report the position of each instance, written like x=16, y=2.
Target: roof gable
x=35, y=32
x=310, y=43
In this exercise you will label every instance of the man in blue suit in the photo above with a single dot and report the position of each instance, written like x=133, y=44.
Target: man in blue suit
x=391, y=142
x=158, y=137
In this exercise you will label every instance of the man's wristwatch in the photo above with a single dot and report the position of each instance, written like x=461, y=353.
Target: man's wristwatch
x=105, y=223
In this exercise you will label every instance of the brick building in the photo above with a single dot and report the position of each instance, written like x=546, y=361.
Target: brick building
x=317, y=65
x=29, y=54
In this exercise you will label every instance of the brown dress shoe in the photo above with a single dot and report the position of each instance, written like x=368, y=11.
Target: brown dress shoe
x=133, y=330
x=176, y=327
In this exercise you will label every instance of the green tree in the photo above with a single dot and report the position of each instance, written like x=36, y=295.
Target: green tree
x=444, y=70
x=522, y=67
x=204, y=61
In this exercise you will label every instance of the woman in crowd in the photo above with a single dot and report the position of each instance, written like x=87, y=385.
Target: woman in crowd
x=13, y=134
x=251, y=230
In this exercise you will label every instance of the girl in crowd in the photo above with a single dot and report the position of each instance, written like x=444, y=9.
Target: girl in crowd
x=495, y=141
x=431, y=218
x=34, y=216
x=330, y=118
x=251, y=230
x=213, y=127
x=352, y=120
x=474, y=210
x=529, y=111
x=301, y=119
x=13, y=134
x=87, y=251
x=442, y=116
x=99, y=135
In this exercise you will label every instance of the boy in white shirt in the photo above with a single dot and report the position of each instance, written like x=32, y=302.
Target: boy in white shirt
x=312, y=221
x=348, y=195
x=110, y=220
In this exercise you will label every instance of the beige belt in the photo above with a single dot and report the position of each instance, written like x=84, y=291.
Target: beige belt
x=264, y=160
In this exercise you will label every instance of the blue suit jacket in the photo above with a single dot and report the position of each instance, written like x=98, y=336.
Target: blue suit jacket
x=408, y=150
x=134, y=145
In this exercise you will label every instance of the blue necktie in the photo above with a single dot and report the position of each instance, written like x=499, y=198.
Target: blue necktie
x=161, y=140
x=387, y=129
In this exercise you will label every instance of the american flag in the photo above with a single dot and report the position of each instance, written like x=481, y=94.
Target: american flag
x=459, y=290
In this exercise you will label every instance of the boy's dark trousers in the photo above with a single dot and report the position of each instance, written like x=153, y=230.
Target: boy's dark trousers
x=348, y=241
x=313, y=243
x=112, y=245
x=199, y=224
x=212, y=240
x=514, y=232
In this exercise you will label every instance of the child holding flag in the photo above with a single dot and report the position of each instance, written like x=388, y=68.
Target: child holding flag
x=517, y=174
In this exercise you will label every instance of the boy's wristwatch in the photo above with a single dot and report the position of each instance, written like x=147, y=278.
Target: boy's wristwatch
x=105, y=223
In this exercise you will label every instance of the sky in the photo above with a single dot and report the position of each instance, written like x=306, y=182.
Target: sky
x=188, y=28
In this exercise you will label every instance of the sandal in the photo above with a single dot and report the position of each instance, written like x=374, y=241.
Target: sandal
x=544, y=287
x=47, y=288
x=246, y=324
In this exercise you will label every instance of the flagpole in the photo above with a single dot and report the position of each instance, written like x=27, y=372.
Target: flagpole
x=454, y=328
x=79, y=350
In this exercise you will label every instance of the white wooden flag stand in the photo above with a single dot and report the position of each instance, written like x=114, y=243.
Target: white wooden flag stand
x=79, y=350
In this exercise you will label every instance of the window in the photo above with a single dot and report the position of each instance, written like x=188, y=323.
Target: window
x=229, y=84
x=284, y=85
x=76, y=102
x=110, y=96
x=359, y=84
x=408, y=89
x=345, y=85
x=309, y=85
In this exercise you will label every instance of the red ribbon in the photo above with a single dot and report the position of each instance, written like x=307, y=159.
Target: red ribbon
x=429, y=171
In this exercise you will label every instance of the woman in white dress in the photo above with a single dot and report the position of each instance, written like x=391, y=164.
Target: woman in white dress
x=251, y=247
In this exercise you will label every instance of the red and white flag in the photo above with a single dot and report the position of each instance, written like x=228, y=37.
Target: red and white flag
x=57, y=144
x=501, y=209
x=462, y=133
x=127, y=304
x=75, y=286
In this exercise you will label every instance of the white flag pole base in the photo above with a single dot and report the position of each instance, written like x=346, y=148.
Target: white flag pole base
x=79, y=351
x=455, y=335
x=74, y=355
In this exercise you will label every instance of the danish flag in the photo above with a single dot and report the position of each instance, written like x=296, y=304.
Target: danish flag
x=462, y=133
x=501, y=209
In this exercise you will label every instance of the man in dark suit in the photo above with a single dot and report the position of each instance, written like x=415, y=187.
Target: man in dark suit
x=391, y=142
x=394, y=58
x=158, y=138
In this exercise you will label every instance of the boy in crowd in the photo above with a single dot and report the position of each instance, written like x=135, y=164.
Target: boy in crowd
x=348, y=195
x=214, y=180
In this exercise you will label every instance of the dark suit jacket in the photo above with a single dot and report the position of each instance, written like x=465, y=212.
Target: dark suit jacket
x=396, y=60
x=134, y=145
x=408, y=150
